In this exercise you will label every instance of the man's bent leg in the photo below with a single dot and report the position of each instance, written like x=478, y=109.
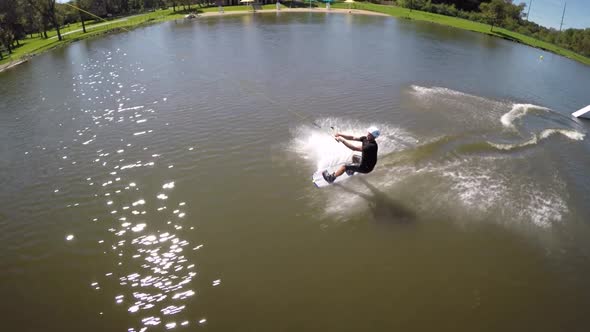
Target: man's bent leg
x=340, y=170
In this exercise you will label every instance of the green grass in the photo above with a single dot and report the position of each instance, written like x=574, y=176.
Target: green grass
x=36, y=45
x=466, y=25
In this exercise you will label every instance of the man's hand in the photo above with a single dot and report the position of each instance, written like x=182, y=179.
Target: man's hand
x=342, y=140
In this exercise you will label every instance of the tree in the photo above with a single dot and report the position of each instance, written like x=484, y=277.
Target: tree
x=66, y=14
x=467, y=5
x=124, y=6
x=47, y=10
x=185, y=3
x=81, y=5
x=585, y=47
x=515, y=12
x=11, y=17
x=6, y=38
x=98, y=7
x=31, y=20
x=494, y=12
x=411, y=4
x=173, y=2
x=150, y=4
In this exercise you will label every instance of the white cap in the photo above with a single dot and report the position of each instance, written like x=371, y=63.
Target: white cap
x=374, y=131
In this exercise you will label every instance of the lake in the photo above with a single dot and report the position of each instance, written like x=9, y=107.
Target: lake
x=160, y=179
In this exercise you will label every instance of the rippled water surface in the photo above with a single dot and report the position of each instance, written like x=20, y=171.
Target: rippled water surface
x=161, y=180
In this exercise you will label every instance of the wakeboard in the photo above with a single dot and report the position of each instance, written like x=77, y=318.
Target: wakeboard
x=320, y=182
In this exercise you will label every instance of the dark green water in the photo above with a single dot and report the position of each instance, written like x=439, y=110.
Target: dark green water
x=160, y=179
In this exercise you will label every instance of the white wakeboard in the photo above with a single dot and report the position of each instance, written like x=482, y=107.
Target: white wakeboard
x=320, y=182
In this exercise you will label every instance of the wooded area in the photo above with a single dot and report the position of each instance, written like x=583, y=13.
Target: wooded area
x=508, y=15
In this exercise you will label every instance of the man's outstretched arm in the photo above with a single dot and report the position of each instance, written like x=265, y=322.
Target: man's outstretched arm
x=350, y=137
x=349, y=145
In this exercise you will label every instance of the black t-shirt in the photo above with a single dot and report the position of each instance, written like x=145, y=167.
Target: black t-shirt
x=369, y=158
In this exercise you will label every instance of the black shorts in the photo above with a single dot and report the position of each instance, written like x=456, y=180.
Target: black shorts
x=356, y=168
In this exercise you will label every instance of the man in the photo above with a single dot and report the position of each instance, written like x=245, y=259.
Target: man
x=368, y=159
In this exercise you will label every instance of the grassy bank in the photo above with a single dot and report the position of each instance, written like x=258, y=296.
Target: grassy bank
x=466, y=25
x=36, y=45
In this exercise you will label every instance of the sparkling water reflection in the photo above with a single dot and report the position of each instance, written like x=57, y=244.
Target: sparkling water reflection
x=152, y=274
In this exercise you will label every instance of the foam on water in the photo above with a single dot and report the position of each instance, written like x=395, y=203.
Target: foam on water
x=536, y=138
x=544, y=122
x=507, y=147
x=439, y=93
x=424, y=91
x=571, y=134
x=475, y=188
x=482, y=189
x=517, y=112
x=458, y=110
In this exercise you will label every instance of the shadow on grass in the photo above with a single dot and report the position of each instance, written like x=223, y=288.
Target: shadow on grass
x=505, y=36
x=194, y=10
x=300, y=4
x=516, y=40
x=384, y=208
x=14, y=48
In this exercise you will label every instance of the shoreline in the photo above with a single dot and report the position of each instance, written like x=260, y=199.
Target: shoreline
x=375, y=10
x=25, y=58
x=296, y=10
x=12, y=64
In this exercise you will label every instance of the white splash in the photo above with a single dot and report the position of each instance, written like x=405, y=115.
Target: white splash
x=517, y=112
x=421, y=90
x=481, y=189
x=571, y=134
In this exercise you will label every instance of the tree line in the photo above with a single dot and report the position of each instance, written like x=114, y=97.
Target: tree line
x=508, y=15
x=19, y=18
